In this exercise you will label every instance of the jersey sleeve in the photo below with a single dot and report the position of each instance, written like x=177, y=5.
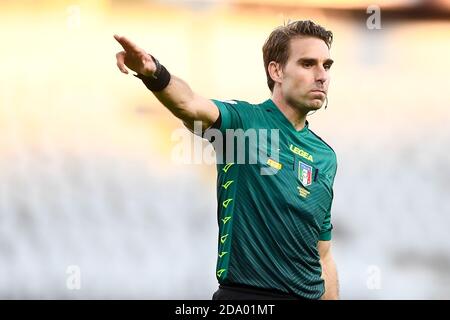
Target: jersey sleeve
x=327, y=226
x=231, y=114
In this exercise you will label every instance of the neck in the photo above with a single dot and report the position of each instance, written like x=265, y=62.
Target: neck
x=296, y=116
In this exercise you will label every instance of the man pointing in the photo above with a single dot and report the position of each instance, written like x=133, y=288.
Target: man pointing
x=274, y=230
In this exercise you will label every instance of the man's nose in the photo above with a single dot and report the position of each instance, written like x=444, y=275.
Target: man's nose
x=321, y=75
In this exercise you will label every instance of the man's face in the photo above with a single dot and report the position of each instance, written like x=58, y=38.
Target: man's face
x=306, y=73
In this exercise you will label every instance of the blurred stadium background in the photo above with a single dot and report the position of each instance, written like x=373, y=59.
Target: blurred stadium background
x=86, y=172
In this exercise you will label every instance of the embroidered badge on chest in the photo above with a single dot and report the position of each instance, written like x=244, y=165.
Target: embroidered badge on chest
x=305, y=173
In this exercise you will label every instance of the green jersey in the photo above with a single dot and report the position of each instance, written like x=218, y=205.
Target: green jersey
x=270, y=224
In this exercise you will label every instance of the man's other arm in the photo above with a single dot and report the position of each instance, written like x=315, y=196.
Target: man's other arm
x=329, y=272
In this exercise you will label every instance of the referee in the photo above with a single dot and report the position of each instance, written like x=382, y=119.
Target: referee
x=274, y=229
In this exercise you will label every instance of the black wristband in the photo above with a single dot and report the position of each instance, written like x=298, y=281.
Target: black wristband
x=159, y=80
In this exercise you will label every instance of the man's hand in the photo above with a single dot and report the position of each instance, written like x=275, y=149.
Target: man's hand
x=134, y=58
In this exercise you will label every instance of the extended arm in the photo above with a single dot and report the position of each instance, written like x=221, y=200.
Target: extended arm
x=329, y=272
x=178, y=97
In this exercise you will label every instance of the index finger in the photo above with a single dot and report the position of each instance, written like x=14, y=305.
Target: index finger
x=126, y=44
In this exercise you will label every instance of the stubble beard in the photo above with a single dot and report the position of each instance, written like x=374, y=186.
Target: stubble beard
x=307, y=104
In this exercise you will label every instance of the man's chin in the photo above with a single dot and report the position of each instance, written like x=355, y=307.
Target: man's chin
x=316, y=104
x=309, y=105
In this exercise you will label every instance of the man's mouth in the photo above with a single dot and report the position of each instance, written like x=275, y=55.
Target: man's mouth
x=319, y=91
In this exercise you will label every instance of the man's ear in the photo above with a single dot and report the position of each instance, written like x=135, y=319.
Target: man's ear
x=275, y=71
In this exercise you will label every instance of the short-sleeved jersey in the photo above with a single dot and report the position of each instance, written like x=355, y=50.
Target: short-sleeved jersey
x=270, y=224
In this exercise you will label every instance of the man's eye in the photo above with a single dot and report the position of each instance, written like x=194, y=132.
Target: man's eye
x=327, y=66
x=307, y=64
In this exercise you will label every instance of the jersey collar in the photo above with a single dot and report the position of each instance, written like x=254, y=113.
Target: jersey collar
x=280, y=115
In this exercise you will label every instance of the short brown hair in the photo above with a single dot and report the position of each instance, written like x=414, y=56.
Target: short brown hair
x=276, y=47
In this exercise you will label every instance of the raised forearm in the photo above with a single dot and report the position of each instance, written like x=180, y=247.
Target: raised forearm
x=176, y=97
x=179, y=98
x=171, y=91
